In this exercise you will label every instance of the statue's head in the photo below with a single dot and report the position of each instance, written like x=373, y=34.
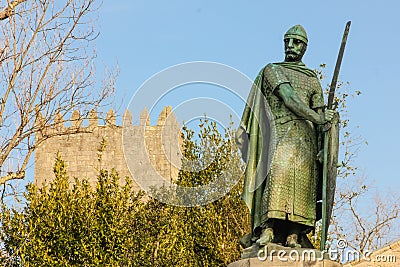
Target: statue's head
x=295, y=43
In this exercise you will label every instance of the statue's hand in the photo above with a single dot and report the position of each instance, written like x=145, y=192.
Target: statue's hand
x=329, y=114
x=326, y=116
x=320, y=156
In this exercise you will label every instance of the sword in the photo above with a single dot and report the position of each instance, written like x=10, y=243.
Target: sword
x=331, y=97
x=332, y=88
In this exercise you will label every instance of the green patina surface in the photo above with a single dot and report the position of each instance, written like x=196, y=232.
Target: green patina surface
x=280, y=137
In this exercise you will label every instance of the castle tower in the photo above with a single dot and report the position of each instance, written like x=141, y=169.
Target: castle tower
x=82, y=152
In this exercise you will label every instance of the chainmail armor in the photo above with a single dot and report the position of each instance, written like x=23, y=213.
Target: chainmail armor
x=290, y=192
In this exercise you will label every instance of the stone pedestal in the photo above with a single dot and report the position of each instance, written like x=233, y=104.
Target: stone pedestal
x=274, y=255
x=283, y=261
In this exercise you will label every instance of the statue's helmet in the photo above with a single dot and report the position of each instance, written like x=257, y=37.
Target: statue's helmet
x=297, y=32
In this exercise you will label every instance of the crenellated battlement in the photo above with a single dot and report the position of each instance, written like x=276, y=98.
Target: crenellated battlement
x=77, y=120
x=78, y=140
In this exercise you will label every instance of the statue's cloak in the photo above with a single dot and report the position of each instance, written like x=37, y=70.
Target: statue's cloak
x=255, y=135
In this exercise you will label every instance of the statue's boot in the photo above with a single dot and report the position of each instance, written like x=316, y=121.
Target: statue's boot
x=291, y=241
x=245, y=241
x=266, y=237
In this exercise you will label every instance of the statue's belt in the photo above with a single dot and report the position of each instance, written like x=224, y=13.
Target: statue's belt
x=288, y=118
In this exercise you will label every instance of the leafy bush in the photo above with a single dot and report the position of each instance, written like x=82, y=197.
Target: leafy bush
x=76, y=224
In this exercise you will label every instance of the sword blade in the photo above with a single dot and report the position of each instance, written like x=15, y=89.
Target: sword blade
x=332, y=88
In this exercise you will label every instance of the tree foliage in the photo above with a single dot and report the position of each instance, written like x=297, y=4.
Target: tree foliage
x=73, y=224
x=206, y=235
x=68, y=224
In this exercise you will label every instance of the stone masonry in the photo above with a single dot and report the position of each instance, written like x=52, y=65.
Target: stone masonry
x=388, y=256
x=81, y=150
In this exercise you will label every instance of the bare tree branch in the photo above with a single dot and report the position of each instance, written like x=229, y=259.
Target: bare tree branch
x=46, y=68
x=9, y=10
x=365, y=227
x=12, y=176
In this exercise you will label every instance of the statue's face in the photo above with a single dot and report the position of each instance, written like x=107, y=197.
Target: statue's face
x=294, y=49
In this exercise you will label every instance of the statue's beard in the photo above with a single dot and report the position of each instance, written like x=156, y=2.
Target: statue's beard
x=291, y=55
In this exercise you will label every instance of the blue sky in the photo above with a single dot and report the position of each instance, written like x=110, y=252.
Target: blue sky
x=144, y=37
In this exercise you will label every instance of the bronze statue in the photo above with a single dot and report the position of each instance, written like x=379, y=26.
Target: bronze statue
x=281, y=139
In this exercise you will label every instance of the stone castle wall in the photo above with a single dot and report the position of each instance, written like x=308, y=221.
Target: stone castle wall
x=81, y=153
